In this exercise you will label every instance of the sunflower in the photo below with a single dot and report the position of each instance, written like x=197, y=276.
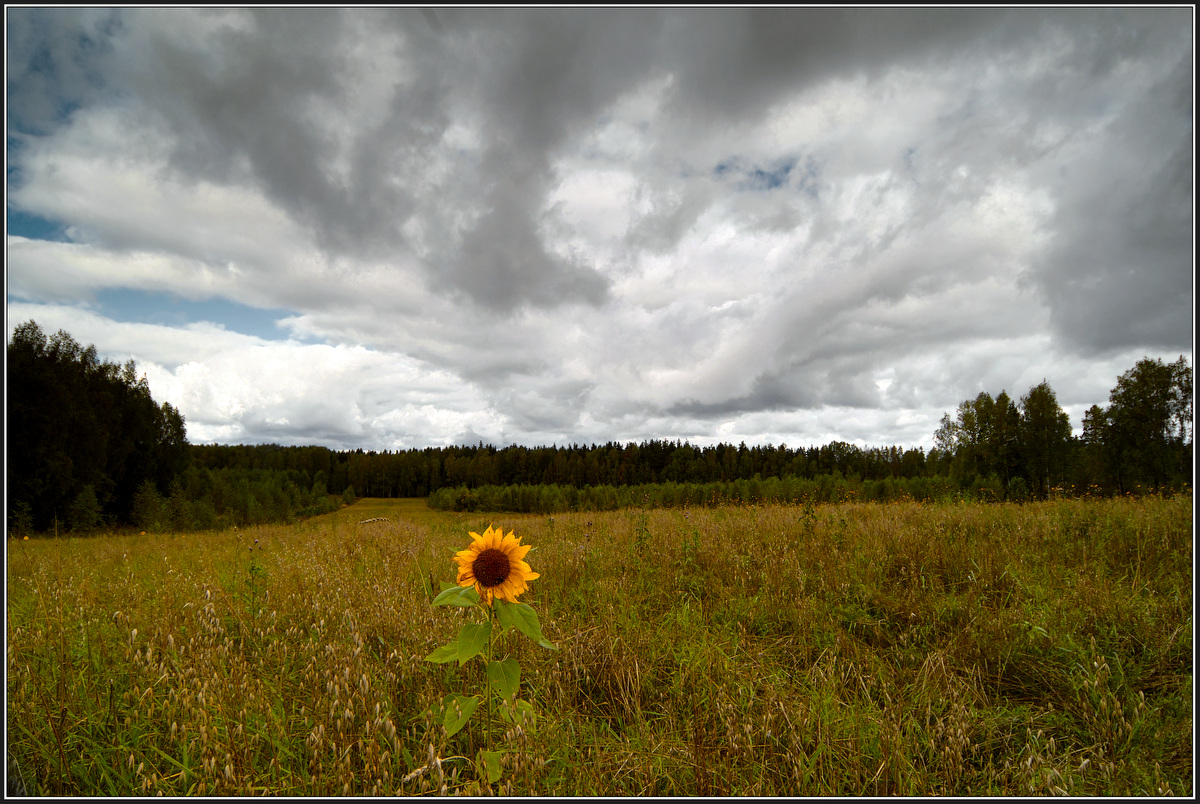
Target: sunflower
x=494, y=565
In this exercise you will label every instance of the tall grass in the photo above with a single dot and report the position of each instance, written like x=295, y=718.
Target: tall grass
x=761, y=650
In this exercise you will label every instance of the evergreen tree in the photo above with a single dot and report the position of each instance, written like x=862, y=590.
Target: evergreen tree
x=1045, y=432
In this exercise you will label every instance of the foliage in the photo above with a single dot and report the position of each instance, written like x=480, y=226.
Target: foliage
x=77, y=423
x=420, y=472
x=1142, y=441
x=825, y=489
x=84, y=514
x=205, y=499
x=1148, y=423
x=1045, y=436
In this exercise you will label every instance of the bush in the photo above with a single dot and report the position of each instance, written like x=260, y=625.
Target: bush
x=149, y=513
x=84, y=513
x=1018, y=490
x=20, y=519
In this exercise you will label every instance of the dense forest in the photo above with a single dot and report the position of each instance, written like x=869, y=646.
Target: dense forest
x=88, y=447
x=83, y=435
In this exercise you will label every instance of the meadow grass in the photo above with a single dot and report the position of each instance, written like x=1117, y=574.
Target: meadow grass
x=855, y=649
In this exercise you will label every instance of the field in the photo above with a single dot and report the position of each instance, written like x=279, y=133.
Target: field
x=855, y=649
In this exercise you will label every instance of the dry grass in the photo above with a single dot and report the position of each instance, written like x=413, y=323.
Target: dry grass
x=837, y=650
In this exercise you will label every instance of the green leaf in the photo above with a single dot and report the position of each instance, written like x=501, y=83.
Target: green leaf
x=491, y=760
x=472, y=639
x=504, y=614
x=464, y=596
x=446, y=653
x=459, y=709
x=522, y=617
x=505, y=677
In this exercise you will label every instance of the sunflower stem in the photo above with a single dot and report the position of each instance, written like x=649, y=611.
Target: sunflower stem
x=488, y=675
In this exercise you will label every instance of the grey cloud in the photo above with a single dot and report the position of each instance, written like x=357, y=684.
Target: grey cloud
x=548, y=407
x=1119, y=272
x=673, y=211
x=502, y=263
x=299, y=431
x=736, y=63
x=545, y=75
x=803, y=386
x=549, y=75
x=237, y=104
x=55, y=63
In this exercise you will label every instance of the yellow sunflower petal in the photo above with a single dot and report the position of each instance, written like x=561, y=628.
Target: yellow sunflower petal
x=505, y=576
x=489, y=540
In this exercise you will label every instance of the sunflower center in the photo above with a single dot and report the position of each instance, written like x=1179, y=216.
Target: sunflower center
x=491, y=567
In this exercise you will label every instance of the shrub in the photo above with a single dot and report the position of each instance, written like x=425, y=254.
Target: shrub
x=84, y=513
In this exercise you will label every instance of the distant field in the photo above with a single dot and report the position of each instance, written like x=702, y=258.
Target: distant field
x=855, y=649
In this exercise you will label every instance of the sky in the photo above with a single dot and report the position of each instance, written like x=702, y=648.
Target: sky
x=398, y=228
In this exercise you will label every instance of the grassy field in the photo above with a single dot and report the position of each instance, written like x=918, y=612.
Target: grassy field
x=857, y=649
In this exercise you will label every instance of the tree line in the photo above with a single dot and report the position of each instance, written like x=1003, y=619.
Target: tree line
x=789, y=489
x=89, y=447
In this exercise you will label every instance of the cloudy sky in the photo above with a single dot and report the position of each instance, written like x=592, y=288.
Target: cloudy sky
x=404, y=228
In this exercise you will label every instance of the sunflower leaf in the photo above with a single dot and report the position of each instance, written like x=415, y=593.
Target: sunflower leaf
x=505, y=677
x=446, y=653
x=522, y=617
x=472, y=639
x=504, y=614
x=464, y=596
x=459, y=709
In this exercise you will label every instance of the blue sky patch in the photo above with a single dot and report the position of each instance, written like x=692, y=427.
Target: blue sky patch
x=35, y=227
x=770, y=176
x=165, y=309
x=769, y=179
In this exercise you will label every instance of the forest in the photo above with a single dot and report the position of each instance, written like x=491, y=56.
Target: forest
x=89, y=449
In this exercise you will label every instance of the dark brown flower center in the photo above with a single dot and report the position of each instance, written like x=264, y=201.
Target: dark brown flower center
x=491, y=567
